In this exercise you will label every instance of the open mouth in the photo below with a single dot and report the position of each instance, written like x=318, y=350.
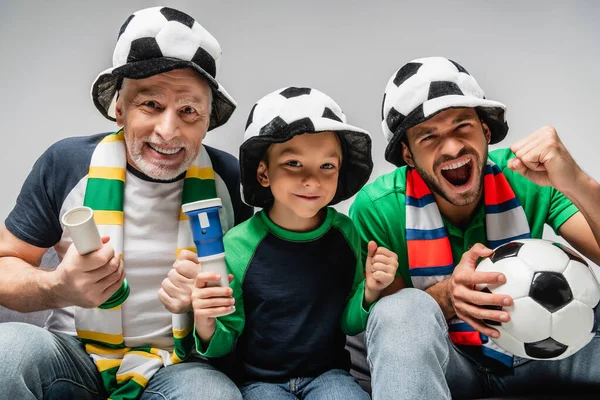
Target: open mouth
x=458, y=173
x=164, y=150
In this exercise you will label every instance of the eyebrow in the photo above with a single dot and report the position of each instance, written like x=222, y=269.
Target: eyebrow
x=461, y=118
x=153, y=93
x=292, y=152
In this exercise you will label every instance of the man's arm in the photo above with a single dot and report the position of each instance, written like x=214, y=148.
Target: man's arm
x=581, y=230
x=85, y=281
x=542, y=158
x=441, y=294
x=25, y=287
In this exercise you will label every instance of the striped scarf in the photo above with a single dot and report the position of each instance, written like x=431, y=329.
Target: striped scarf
x=429, y=252
x=125, y=371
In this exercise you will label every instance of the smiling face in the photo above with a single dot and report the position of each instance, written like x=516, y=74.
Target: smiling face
x=450, y=151
x=302, y=174
x=165, y=118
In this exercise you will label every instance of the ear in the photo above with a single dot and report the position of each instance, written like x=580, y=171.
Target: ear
x=486, y=131
x=261, y=174
x=407, y=155
x=119, y=110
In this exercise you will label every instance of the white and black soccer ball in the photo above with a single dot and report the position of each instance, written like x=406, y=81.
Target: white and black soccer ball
x=555, y=296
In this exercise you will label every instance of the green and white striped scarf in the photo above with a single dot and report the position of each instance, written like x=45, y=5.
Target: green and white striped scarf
x=126, y=371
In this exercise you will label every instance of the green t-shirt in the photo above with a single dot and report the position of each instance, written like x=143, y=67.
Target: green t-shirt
x=297, y=295
x=379, y=212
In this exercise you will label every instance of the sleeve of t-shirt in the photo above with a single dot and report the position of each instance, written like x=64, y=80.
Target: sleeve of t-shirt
x=369, y=223
x=35, y=217
x=354, y=318
x=561, y=209
x=228, y=327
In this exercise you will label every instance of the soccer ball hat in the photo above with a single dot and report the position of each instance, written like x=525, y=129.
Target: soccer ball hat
x=156, y=40
x=425, y=87
x=291, y=111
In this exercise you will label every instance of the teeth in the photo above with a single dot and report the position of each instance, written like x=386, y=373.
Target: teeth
x=456, y=165
x=163, y=151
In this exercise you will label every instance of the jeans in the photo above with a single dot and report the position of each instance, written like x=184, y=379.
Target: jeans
x=38, y=364
x=335, y=384
x=411, y=357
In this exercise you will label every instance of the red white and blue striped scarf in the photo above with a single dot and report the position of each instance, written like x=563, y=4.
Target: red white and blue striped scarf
x=429, y=252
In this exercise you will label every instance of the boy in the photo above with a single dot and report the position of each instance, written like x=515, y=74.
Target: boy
x=298, y=283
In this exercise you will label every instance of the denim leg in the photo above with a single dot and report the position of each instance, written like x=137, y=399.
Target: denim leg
x=466, y=379
x=407, y=347
x=335, y=384
x=266, y=391
x=194, y=379
x=36, y=364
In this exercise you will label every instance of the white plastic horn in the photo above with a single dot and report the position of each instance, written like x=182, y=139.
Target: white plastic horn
x=82, y=228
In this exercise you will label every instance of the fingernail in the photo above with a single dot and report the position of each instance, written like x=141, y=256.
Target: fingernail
x=218, y=276
x=504, y=317
x=506, y=302
x=500, y=278
x=495, y=335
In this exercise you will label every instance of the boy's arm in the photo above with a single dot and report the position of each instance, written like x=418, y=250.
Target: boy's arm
x=356, y=312
x=370, y=222
x=354, y=318
x=226, y=329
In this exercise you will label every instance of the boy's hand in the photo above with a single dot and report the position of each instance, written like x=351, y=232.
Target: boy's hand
x=380, y=270
x=210, y=302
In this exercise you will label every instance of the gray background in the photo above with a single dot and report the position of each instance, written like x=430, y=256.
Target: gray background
x=540, y=58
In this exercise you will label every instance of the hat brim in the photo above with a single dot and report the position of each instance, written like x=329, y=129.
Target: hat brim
x=492, y=112
x=357, y=163
x=104, y=88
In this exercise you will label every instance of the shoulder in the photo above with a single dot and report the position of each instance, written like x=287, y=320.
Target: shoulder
x=342, y=222
x=54, y=177
x=347, y=228
x=241, y=242
x=392, y=183
x=383, y=196
x=247, y=233
x=73, y=150
x=224, y=164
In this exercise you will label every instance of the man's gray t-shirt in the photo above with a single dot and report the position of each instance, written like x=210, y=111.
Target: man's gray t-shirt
x=57, y=183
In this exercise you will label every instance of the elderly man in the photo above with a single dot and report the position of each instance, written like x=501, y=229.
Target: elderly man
x=163, y=95
x=429, y=341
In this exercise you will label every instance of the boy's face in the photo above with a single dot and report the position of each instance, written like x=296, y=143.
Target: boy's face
x=302, y=174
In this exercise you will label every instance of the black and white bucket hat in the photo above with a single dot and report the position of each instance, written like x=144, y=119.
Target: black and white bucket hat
x=291, y=111
x=156, y=40
x=425, y=87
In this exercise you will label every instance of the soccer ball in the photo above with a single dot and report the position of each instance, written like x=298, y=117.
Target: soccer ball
x=555, y=296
